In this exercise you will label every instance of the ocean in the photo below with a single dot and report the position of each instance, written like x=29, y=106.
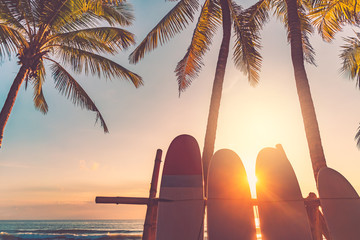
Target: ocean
x=71, y=229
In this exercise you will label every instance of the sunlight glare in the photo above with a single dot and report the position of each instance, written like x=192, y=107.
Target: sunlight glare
x=252, y=183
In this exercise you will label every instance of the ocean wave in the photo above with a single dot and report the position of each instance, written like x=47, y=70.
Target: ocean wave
x=64, y=236
x=77, y=231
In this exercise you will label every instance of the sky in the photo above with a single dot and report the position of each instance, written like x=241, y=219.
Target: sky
x=53, y=166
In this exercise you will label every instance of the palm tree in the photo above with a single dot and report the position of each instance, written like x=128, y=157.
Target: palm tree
x=297, y=23
x=246, y=25
x=65, y=34
x=293, y=14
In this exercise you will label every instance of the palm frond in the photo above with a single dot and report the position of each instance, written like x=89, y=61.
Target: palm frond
x=57, y=13
x=27, y=8
x=173, y=22
x=86, y=44
x=189, y=67
x=10, y=41
x=81, y=60
x=92, y=13
x=38, y=81
x=306, y=30
x=72, y=90
x=83, y=21
x=258, y=14
x=247, y=25
x=280, y=9
x=10, y=15
x=40, y=102
x=329, y=17
x=357, y=137
x=102, y=39
x=350, y=55
x=114, y=2
x=121, y=14
x=114, y=12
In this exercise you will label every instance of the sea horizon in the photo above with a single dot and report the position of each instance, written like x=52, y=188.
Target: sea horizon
x=75, y=219
x=68, y=229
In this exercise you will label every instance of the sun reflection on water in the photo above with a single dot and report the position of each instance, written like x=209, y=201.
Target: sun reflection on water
x=257, y=222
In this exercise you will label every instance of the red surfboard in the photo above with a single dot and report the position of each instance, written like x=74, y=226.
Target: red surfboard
x=181, y=204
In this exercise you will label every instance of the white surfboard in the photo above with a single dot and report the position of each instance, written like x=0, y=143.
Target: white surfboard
x=230, y=213
x=181, y=204
x=340, y=204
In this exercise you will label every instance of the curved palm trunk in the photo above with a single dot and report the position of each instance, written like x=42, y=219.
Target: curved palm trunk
x=10, y=100
x=210, y=134
x=303, y=90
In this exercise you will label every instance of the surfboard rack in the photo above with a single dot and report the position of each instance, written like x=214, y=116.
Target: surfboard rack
x=122, y=200
x=329, y=195
x=151, y=201
x=145, y=201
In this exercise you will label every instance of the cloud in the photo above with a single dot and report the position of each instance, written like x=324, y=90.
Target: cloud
x=95, y=166
x=86, y=166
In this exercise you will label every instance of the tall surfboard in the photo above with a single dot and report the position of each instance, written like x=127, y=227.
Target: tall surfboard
x=340, y=204
x=281, y=207
x=181, y=204
x=229, y=210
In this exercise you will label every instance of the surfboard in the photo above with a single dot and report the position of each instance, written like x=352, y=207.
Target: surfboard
x=181, y=204
x=340, y=204
x=281, y=207
x=229, y=209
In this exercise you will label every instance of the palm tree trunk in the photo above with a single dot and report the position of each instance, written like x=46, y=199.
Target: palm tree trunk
x=10, y=100
x=210, y=134
x=303, y=89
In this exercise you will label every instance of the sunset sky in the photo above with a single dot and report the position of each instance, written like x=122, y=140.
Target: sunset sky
x=53, y=166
